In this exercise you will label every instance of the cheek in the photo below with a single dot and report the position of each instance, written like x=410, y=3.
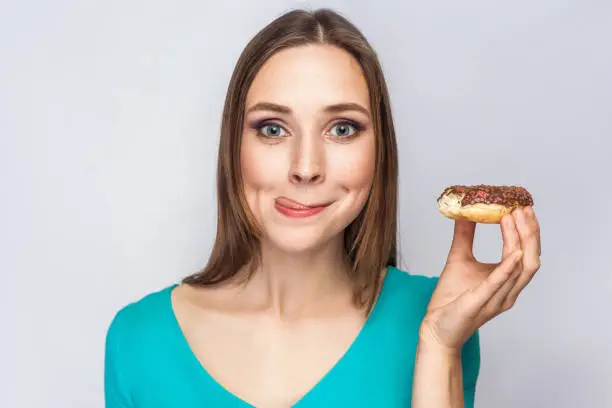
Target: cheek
x=354, y=167
x=262, y=166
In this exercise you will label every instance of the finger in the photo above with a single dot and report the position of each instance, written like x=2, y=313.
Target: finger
x=499, y=301
x=496, y=280
x=529, y=232
x=463, y=240
x=510, y=236
x=532, y=220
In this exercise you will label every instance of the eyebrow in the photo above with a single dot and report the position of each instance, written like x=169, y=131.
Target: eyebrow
x=335, y=108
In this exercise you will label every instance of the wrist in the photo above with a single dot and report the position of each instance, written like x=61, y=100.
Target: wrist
x=430, y=344
x=438, y=375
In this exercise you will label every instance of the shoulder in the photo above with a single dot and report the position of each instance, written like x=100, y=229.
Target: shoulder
x=140, y=318
x=403, y=285
x=405, y=278
x=404, y=298
x=130, y=341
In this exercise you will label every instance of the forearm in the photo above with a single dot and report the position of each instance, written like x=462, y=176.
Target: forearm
x=438, y=381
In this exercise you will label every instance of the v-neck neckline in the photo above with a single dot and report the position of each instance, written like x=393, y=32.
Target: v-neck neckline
x=198, y=367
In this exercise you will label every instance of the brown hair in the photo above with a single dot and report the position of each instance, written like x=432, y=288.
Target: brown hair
x=370, y=240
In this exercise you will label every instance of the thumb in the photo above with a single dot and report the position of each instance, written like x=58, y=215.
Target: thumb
x=463, y=240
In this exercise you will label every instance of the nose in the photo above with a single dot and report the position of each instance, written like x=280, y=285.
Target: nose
x=308, y=166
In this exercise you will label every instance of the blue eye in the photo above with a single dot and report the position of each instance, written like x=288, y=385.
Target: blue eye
x=272, y=130
x=343, y=130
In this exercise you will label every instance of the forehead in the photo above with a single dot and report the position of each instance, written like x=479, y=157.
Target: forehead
x=310, y=74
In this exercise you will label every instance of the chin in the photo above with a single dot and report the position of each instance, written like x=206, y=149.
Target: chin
x=298, y=239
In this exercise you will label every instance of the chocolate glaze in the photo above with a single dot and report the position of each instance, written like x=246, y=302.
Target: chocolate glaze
x=510, y=196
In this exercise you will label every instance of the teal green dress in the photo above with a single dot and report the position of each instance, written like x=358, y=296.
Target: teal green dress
x=149, y=364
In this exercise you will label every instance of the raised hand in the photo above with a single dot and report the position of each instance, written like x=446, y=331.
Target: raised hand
x=470, y=293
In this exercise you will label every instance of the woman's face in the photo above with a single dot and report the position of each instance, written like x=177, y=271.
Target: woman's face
x=308, y=146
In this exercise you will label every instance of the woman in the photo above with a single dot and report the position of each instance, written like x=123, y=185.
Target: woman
x=301, y=303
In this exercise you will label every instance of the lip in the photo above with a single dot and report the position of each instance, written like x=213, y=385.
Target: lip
x=295, y=209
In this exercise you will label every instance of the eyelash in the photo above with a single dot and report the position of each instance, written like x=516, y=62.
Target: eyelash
x=270, y=122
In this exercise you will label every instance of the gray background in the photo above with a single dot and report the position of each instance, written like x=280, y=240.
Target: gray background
x=109, y=117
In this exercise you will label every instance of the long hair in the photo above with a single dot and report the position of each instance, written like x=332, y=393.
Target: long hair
x=370, y=240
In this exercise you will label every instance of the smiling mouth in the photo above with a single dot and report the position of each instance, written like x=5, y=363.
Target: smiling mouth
x=295, y=209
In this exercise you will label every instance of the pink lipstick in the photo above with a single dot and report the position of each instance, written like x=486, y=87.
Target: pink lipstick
x=295, y=209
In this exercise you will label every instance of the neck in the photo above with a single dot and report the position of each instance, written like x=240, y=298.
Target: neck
x=289, y=284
